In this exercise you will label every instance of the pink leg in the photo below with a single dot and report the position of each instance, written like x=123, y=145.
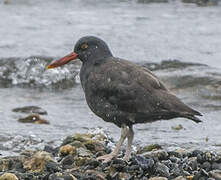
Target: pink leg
x=130, y=136
x=108, y=157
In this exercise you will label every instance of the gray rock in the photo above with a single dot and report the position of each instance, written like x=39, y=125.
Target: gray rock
x=207, y=166
x=216, y=166
x=180, y=178
x=83, y=152
x=162, y=169
x=215, y=174
x=30, y=109
x=159, y=154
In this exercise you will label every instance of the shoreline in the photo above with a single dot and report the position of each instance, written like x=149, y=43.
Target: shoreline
x=76, y=157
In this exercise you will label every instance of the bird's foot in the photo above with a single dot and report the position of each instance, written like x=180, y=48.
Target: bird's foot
x=108, y=157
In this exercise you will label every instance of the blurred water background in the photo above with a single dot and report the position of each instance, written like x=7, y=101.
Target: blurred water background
x=179, y=41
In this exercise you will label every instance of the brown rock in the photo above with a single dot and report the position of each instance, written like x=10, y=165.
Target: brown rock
x=33, y=118
x=8, y=176
x=67, y=149
x=180, y=178
x=37, y=162
x=158, y=178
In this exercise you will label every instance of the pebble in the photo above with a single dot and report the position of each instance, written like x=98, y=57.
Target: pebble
x=76, y=159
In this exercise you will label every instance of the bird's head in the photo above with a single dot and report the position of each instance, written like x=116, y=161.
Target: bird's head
x=87, y=48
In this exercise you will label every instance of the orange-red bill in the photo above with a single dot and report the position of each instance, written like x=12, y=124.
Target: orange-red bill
x=63, y=60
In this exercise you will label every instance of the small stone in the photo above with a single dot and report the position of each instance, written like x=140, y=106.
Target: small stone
x=30, y=109
x=179, y=153
x=80, y=161
x=177, y=128
x=158, y=178
x=94, y=145
x=97, y=174
x=215, y=174
x=175, y=160
x=67, y=160
x=77, y=137
x=83, y=152
x=77, y=144
x=159, y=154
x=66, y=150
x=180, y=178
x=149, y=148
x=8, y=176
x=216, y=166
x=192, y=162
x=189, y=177
x=196, y=152
x=162, y=169
x=206, y=165
x=37, y=162
x=33, y=118
x=144, y=163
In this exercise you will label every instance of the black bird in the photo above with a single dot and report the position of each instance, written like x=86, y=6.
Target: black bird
x=122, y=92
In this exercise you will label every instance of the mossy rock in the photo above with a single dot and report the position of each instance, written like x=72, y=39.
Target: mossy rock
x=94, y=145
x=11, y=163
x=149, y=148
x=82, y=152
x=78, y=144
x=81, y=161
x=77, y=137
x=67, y=150
x=37, y=162
x=8, y=176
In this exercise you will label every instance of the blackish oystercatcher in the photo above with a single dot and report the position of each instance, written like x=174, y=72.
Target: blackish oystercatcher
x=122, y=92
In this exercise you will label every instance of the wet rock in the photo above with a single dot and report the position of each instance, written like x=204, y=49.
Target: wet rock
x=38, y=161
x=206, y=165
x=192, y=162
x=81, y=161
x=52, y=150
x=77, y=137
x=216, y=166
x=33, y=118
x=11, y=163
x=179, y=153
x=94, y=145
x=162, y=169
x=67, y=149
x=61, y=176
x=77, y=158
x=145, y=163
x=30, y=110
x=67, y=161
x=189, y=177
x=159, y=154
x=97, y=174
x=180, y=178
x=83, y=152
x=8, y=176
x=158, y=178
x=215, y=174
x=149, y=148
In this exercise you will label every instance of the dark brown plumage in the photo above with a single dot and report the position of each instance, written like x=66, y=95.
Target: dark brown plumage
x=122, y=92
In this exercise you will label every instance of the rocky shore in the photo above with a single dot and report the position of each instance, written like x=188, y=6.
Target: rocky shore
x=75, y=158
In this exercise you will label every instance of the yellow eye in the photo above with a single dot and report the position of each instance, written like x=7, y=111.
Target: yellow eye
x=84, y=46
